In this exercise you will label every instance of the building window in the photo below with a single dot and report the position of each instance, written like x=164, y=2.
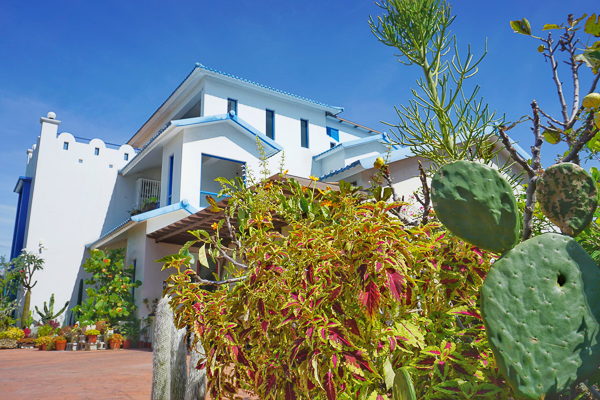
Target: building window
x=97, y=151
x=332, y=145
x=80, y=161
x=270, y=129
x=126, y=156
x=170, y=191
x=66, y=146
x=333, y=133
x=110, y=165
x=232, y=106
x=304, y=133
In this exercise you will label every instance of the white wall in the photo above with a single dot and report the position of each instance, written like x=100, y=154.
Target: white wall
x=68, y=206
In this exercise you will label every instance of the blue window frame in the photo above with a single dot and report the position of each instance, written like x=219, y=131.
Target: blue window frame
x=170, y=191
x=333, y=133
x=270, y=129
x=232, y=106
x=97, y=151
x=304, y=133
x=126, y=156
x=66, y=146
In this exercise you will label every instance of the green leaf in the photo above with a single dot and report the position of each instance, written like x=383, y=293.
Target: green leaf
x=202, y=256
x=170, y=258
x=551, y=26
x=551, y=137
x=592, y=25
x=388, y=374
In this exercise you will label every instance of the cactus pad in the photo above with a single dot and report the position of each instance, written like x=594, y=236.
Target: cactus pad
x=403, y=388
x=540, y=303
x=568, y=196
x=476, y=204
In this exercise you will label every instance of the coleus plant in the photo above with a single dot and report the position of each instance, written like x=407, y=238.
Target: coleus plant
x=329, y=294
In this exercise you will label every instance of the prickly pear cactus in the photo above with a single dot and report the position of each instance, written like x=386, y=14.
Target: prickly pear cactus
x=540, y=303
x=403, y=388
x=568, y=196
x=476, y=204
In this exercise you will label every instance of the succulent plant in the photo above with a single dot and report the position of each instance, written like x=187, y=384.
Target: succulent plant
x=403, y=388
x=540, y=303
x=476, y=204
x=568, y=196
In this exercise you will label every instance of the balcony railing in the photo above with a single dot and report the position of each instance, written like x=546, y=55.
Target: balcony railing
x=146, y=189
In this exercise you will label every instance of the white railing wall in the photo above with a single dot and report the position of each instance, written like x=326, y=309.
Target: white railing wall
x=145, y=189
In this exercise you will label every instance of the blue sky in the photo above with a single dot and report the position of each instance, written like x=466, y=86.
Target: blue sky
x=104, y=67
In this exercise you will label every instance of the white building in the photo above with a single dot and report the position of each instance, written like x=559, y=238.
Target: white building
x=76, y=194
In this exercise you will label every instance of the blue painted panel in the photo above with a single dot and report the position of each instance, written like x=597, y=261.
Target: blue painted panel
x=334, y=133
x=21, y=218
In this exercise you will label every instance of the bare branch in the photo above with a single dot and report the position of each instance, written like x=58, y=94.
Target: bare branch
x=234, y=238
x=594, y=83
x=510, y=148
x=554, y=65
x=533, y=173
x=588, y=134
x=201, y=281
x=569, y=35
x=427, y=199
x=551, y=118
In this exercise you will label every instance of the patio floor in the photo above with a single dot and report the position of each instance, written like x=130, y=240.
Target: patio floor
x=32, y=374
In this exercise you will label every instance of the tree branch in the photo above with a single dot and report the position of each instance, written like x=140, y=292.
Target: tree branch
x=588, y=134
x=551, y=118
x=533, y=173
x=216, y=283
x=569, y=35
x=510, y=148
x=427, y=199
x=554, y=65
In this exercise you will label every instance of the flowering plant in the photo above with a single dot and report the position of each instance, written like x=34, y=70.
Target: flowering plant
x=92, y=332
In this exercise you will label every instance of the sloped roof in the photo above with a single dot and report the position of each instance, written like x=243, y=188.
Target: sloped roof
x=136, y=219
x=383, y=137
x=367, y=162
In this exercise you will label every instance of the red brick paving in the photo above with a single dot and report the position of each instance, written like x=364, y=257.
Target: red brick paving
x=27, y=374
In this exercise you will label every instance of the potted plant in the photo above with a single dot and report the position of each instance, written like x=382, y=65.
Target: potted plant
x=131, y=332
x=26, y=343
x=60, y=342
x=92, y=335
x=45, y=330
x=44, y=342
x=115, y=341
x=149, y=204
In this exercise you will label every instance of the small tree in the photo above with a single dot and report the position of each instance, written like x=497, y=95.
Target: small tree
x=110, y=297
x=25, y=265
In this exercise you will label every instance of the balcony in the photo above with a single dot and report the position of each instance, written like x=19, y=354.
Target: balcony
x=146, y=189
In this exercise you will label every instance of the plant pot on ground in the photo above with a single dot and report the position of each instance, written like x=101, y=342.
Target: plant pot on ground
x=60, y=343
x=115, y=341
x=140, y=344
x=126, y=344
x=92, y=335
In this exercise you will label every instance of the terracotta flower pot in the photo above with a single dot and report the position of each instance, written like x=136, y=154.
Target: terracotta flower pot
x=92, y=338
x=115, y=345
x=126, y=344
x=42, y=347
x=140, y=344
x=147, y=344
x=60, y=345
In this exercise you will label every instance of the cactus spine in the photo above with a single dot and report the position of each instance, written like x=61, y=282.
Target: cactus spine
x=178, y=363
x=196, y=382
x=161, y=361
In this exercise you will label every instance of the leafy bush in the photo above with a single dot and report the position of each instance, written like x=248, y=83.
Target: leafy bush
x=92, y=332
x=12, y=333
x=46, y=330
x=332, y=304
x=109, y=298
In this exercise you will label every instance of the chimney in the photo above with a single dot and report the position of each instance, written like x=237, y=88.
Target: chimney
x=49, y=125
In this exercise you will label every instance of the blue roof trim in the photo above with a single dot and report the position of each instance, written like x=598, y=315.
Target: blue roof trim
x=20, y=181
x=231, y=116
x=337, y=171
x=269, y=88
x=520, y=150
x=383, y=137
x=140, y=151
x=182, y=205
x=367, y=162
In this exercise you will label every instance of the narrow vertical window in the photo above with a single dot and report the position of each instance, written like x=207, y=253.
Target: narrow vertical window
x=66, y=146
x=126, y=156
x=96, y=151
x=304, y=133
x=170, y=191
x=232, y=106
x=270, y=130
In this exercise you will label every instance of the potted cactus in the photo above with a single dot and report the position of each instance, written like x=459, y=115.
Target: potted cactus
x=92, y=335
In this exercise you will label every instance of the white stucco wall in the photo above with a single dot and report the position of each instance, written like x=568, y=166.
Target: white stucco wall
x=71, y=192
